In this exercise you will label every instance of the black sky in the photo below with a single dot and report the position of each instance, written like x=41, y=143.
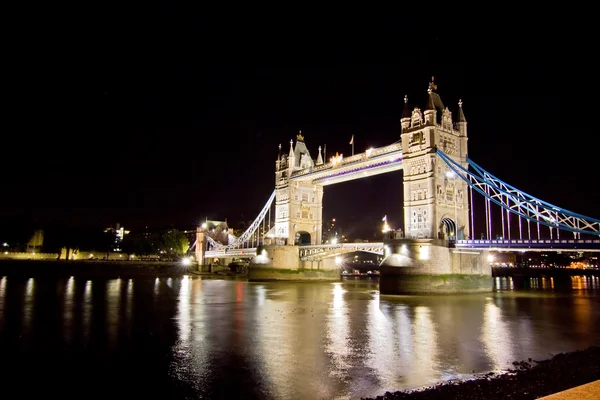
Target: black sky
x=166, y=124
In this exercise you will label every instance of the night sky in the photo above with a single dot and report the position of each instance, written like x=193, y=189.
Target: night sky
x=157, y=131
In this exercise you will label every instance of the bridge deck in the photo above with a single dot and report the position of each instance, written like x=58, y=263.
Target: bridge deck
x=372, y=162
x=533, y=244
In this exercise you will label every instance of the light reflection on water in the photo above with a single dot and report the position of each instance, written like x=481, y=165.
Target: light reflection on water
x=191, y=338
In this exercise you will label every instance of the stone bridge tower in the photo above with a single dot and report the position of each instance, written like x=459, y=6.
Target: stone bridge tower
x=436, y=202
x=298, y=204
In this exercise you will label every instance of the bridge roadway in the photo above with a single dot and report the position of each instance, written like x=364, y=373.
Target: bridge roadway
x=307, y=253
x=237, y=253
x=341, y=169
x=573, y=245
x=318, y=252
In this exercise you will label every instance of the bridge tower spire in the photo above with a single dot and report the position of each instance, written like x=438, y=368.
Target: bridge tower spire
x=405, y=120
x=461, y=121
x=298, y=204
x=435, y=198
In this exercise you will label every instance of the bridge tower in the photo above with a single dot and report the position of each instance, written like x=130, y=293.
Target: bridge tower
x=298, y=204
x=436, y=203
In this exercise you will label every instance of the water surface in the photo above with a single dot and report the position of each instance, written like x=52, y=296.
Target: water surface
x=188, y=338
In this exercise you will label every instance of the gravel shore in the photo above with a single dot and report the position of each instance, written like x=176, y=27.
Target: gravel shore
x=529, y=379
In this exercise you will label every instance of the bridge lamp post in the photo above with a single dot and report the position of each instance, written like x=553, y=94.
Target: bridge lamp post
x=452, y=175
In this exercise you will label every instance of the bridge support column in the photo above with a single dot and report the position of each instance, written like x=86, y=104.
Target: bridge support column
x=282, y=263
x=428, y=266
x=200, y=247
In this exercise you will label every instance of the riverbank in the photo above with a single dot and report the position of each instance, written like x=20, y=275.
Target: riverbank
x=529, y=379
x=525, y=272
x=92, y=268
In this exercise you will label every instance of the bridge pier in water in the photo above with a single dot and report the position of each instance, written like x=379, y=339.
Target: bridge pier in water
x=431, y=266
x=283, y=263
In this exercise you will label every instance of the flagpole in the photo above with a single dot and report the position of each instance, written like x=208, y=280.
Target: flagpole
x=325, y=152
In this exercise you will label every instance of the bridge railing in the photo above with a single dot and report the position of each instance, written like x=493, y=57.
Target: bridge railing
x=349, y=160
x=533, y=243
x=374, y=247
x=247, y=252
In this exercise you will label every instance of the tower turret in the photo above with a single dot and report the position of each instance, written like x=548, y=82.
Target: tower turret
x=291, y=158
x=319, y=157
x=405, y=120
x=461, y=121
x=278, y=162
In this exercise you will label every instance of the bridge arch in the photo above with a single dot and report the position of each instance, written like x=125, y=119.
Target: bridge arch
x=302, y=238
x=448, y=228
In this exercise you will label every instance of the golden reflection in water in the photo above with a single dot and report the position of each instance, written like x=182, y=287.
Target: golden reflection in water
x=578, y=282
x=273, y=344
x=28, y=304
x=68, y=311
x=2, y=299
x=129, y=303
x=192, y=349
x=505, y=282
x=425, y=348
x=183, y=315
x=2, y=289
x=260, y=295
x=339, y=344
x=582, y=313
x=87, y=310
x=196, y=315
x=156, y=291
x=384, y=353
x=547, y=283
x=496, y=338
x=113, y=297
x=287, y=336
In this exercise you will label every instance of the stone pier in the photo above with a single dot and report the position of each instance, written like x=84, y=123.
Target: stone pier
x=282, y=263
x=428, y=266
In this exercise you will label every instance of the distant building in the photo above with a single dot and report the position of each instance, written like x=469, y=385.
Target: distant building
x=120, y=233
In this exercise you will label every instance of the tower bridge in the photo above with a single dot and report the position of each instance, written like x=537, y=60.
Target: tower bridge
x=437, y=252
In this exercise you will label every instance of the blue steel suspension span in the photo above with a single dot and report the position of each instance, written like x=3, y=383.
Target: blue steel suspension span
x=523, y=204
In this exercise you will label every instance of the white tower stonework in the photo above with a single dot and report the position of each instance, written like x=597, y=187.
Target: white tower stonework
x=298, y=204
x=435, y=199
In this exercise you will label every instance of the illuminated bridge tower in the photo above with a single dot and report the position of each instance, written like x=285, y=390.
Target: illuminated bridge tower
x=435, y=199
x=436, y=209
x=299, y=204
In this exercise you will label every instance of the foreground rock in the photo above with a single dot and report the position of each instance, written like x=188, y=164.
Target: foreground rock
x=529, y=380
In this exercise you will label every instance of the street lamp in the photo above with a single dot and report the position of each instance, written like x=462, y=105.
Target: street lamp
x=452, y=175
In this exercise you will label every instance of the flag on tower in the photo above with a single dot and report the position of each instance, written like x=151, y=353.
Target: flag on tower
x=352, y=140
x=384, y=218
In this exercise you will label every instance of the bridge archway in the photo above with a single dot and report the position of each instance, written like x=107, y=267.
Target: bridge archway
x=302, y=238
x=447, y=229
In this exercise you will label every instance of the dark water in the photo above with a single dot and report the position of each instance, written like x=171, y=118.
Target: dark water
x=176, y=338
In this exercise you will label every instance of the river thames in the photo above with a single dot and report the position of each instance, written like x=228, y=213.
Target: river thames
x=192, y=338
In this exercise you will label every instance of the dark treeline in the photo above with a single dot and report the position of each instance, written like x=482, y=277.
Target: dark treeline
x=18, y=234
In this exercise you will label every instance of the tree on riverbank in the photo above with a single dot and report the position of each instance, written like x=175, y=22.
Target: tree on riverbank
x=174, y=243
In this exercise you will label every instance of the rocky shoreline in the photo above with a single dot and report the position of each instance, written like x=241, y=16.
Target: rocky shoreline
x=529, y=379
